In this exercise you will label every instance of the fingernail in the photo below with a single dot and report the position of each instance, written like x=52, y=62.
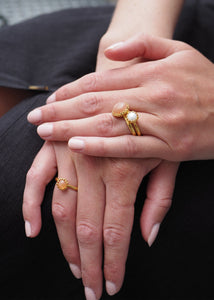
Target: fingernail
x=35, y=116
x=111, y=288
x=75, y=270
x=45, y=130
x=76, y=144
x=51, y=98
x=116, y=45
x=27, y=229
x=89, y=294
x=153, y=234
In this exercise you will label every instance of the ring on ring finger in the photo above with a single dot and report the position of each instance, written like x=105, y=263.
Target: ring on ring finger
x=63, y=184
x=121, y=110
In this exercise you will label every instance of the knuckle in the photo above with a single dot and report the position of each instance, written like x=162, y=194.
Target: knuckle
x=33, y=175
x=113, y=269
x=174, y=122
x=60, y=212
x=154, y=71
x=91, y=104
x=63, y=130
x=90, y=82
x=105, y=124
x=125, y=202
x=121, y=170
x=63, y=93
x=102, y=150
x=28, y=206
x=166, y=94
x=165, y=203
x=113, y=236
x=69, y=254
x=90, y=274
x=87, y=233
x=131, y=148
x=185, y=147
x=50, y=111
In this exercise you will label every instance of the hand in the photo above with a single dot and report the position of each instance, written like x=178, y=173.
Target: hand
x=173, y=96
x=106, y=188
x=160, y=190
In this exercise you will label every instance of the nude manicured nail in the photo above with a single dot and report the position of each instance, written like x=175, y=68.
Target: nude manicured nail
x=27, y=229
x=45, y=130
x=35, y=116
x=51, y=99
x=89, y=294
x=116, y=45
x=111, y=288
x=75, y=270
x=153, y=234
x=76, y=144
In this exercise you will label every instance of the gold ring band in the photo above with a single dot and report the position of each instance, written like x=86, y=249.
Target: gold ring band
x=63, y=184
x=121, y=110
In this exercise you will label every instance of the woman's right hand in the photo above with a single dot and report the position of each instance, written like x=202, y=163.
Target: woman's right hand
x=173, y=96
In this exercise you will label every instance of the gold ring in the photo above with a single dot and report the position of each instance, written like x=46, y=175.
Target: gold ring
x=121, y=110
x=63, y=184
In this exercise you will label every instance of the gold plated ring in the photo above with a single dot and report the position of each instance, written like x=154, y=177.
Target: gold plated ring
x=121, y=110
x=63, y=184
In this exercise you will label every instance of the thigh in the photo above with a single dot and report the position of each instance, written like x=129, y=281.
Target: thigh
x=28, y=267
x=10, y=97
x=64, y=48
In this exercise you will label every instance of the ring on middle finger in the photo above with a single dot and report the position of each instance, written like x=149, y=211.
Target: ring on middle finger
x=121, y=110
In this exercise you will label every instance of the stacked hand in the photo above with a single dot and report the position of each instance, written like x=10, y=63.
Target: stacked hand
x=175, y=109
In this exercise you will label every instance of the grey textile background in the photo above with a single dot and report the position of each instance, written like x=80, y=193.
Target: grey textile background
x=14, y=11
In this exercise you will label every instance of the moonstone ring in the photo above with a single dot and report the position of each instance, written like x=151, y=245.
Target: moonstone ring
x=63, y=184
x=121, y=110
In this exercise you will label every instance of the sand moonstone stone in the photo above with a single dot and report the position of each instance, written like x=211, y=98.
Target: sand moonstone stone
x=119, y=109
x=62, y=184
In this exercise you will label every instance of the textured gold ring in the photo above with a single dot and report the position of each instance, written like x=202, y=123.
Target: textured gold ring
x=121, y=110
x=63, y=184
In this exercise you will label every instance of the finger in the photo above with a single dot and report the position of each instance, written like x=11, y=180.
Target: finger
x=145, y=46
x=119, y=215
x=64, y=209
x=91, y=104
x=96, y=82
x=159, y=197
x=90, y=209
x=122, y=184
x=126, y=146
x=40, y=174
x=104, y=125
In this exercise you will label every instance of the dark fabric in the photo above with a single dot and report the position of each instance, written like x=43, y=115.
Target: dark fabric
x=55, y=49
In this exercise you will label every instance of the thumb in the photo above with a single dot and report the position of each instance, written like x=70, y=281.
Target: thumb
x=159, y=194
x=40, y=174
x=145, y=46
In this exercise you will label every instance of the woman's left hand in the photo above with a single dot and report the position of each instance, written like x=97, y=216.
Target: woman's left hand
x=172, y=95
x=101, y=212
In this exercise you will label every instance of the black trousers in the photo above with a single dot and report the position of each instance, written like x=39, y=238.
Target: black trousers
x=55, y=49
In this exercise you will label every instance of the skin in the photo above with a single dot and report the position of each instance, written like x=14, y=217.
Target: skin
x=84, y=224
x=176, y=117
x=196, y=114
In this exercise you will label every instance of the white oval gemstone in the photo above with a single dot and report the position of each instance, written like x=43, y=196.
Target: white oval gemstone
x=132, y=116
